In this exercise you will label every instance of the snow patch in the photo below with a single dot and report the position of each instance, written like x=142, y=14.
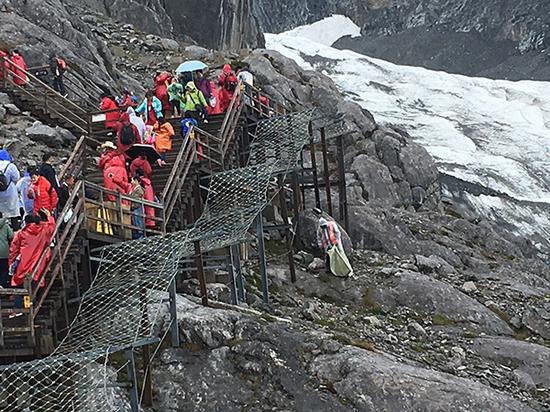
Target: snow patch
x=327, y=31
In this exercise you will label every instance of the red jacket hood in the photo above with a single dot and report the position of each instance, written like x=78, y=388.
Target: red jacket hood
x=32, y=229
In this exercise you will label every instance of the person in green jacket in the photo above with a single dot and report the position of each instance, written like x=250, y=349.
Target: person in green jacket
x=175, y=96
x=6, y=236
x=194, y=104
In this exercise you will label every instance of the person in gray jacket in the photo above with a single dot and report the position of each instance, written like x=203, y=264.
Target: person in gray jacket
x=6, y=236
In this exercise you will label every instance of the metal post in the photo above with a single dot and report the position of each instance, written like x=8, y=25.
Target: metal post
x=174, y=328
x=326, y=172
x=236, y=264
x=197, y=198
x=132, y=378
x=314, y=167
x=296, y=202
x=232, y=284
x=200, y=272
x=261, y=256
x=288, y=231
x=342, y=194
x=147, y=399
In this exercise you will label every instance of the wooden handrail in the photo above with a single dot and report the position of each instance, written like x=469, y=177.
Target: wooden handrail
x=41, y=83
x=47, y=250
x=179, y=158
x=103, y=190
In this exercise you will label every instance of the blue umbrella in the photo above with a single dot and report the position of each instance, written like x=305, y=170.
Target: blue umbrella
x=191, y=66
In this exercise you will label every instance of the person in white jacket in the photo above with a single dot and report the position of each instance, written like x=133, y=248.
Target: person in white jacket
x=9, y=198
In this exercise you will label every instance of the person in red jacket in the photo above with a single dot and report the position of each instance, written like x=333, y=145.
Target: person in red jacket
x=162, y=80
x=128, y=100
x=127, y=133
x=43, y=193
x=113, y=163
x=228, y=83
x=27, y=247
x=142, y=163
x=18, y=67
x=150, y=197
x=214, y=105
x=112, y=114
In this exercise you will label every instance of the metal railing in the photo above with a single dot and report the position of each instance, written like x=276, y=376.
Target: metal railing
x=49, y=100
x=182, y=166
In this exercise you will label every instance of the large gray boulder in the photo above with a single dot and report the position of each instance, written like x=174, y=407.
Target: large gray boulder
x=537, y=319
x=52, y=137
x=376, y=180
x=441, y=301
x=379, y=382
x=529, y=358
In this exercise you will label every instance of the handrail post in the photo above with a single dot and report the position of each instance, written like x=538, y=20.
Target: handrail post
x=121, y=212
x=4, y=73
x=89, y=123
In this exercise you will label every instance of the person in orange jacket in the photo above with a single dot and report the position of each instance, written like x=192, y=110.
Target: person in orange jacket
x=43, y=193
x=164, y=133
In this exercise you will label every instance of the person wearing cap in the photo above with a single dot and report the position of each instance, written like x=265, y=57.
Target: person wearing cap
x=113, y=164
x=115, y=179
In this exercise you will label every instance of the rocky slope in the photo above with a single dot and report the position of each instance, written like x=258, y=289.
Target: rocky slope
x=27, y=139
x=498, y=39
x=444, y=312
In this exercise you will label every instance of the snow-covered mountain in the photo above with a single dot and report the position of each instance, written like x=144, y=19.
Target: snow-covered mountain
x=490, y=138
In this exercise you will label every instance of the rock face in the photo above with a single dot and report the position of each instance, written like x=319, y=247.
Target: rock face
x=439, y=300
x=229, y=359
x=157, y=19
x=52, y=137
x=385, y=166
x=528, y=358
x=500, y=39
x=372, y=382
x=276, y=17
x=222, y=24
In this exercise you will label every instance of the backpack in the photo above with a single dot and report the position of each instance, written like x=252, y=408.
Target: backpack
x=149, y=137
x=127, y=137
x=186, y=125
x=62, y=64
x=4, y=180
x=231, y=82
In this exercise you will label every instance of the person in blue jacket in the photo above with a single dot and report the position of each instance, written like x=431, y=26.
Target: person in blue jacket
x=151, y=107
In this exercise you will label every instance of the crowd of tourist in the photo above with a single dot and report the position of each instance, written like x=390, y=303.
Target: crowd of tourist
x=191, y=97
x=30, y=202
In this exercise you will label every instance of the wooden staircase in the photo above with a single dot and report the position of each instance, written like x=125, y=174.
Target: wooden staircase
x=70, y=269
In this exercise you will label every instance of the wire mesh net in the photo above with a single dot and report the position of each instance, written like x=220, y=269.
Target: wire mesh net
x=121, y=306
